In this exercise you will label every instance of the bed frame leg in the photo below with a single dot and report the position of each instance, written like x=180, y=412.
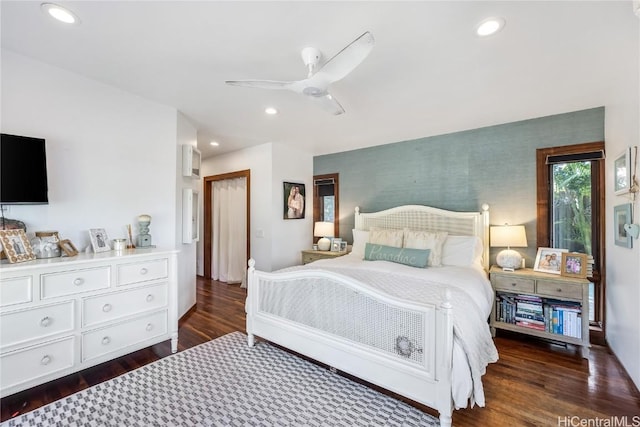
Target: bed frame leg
x=445, y=420
x=251, y=340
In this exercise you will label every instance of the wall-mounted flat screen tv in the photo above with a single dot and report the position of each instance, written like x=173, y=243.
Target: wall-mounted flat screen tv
x=23, y=170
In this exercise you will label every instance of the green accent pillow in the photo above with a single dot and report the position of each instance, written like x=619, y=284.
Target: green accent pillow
x=407, y=256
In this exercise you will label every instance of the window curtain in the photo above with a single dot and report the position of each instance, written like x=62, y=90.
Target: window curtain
x=229, y=230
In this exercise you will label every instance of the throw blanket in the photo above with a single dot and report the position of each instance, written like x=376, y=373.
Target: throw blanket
x=470, y=327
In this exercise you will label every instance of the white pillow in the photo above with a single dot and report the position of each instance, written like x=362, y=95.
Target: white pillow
x=419, y=239
x=386, y=236
x=360, y=240
x=462, y=251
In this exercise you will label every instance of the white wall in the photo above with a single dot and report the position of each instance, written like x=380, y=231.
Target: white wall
x=270, y=165
x=186, y=134
x=622, y=129
x=110, y=154
x=292, y=235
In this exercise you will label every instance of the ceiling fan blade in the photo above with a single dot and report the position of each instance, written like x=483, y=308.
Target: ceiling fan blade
x=261, y=84
x=328, y=103
x=347, y=59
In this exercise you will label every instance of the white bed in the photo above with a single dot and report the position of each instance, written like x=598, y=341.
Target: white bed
x=419, y=332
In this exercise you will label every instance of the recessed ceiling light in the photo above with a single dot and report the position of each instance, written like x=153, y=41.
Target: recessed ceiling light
x=214, y=143
x=60, y=13
x=270, y=110
x=490, y=26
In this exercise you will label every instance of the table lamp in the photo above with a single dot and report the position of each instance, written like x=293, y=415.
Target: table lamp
x=324, y=230
x=509, y=236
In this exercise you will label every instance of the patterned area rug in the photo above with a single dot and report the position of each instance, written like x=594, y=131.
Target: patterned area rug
x=226, y=383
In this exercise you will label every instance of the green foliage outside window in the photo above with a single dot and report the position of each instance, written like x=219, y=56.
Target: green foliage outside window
x=572, y=207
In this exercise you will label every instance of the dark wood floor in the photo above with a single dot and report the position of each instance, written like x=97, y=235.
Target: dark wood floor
x=535, y=383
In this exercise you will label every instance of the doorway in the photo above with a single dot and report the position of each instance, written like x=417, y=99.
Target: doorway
x=208, y=210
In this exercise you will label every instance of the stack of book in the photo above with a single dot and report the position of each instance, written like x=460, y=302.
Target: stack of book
x=566, y=318
x=529, y=312
x=590, y=263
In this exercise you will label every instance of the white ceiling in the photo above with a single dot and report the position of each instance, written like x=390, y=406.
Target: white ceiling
x=428, y=74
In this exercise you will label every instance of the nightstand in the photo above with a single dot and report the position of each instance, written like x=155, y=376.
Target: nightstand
x=311, y=255
x=541, y=304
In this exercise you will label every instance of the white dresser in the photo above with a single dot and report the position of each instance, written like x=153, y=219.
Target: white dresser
x=62, y=315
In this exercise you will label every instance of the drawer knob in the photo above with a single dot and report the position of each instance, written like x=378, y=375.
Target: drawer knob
x=514, y=285
x=106, y=340
x=46, y=321
x=107, y=308
x=45, y=360
x=149, y=326
x=149, y=298
x=143, y=271
x=559, y=290
x=79, y=281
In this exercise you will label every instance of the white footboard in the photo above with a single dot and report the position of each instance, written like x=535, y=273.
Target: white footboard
x=401, y=346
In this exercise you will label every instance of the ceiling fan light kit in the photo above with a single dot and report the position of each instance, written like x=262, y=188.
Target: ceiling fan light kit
x=316, y=86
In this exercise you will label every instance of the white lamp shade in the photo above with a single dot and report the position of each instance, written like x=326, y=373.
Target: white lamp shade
x=505, y=236
x=509, y=236
x=323, y=229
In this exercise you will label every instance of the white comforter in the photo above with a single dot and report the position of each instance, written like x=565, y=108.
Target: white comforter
x=471, y=298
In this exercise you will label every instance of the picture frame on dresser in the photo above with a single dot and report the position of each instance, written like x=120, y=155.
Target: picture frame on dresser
x=16, y=246
x=549, y=260
x=99, y=240
x=574, y=265
x=68, y=248
x=622, y=216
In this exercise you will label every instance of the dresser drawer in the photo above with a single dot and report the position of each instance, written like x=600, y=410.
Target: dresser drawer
x=34, y=362
x=16, y=290
x=142, y=271
x=116, y=337
x=563, y=290
x=519, y=284
x=121, y=304
x=35, y=323
x=76, y=281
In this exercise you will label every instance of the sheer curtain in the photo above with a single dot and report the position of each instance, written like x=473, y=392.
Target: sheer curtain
x=229, y=230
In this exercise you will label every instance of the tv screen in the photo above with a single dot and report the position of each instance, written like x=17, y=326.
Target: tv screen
x=23, y=171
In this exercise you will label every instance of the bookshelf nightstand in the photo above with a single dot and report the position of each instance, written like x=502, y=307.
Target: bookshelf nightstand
x=541, y=304
x=311, y=255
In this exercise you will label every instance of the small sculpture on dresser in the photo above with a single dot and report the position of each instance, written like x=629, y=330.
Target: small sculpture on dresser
x=144, y=238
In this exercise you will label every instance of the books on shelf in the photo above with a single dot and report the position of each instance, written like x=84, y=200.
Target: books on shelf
x=543, y=314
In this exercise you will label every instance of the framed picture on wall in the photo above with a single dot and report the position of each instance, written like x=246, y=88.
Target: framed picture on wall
x=294, y=200
x=622, y=216
x=622, y=172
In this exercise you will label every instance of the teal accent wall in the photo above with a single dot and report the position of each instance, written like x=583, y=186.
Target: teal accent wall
x=459, y=171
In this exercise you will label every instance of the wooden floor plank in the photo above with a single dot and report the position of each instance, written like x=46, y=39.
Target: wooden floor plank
x=535, y=383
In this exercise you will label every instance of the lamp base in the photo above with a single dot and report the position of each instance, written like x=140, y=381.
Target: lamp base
x=324, y=244
x=509, y=259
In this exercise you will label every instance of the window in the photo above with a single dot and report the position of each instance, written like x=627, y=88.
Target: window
x=325, y=200
x=570, y=199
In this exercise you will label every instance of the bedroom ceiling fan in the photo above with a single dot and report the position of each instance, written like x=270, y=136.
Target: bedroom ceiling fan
x=315, y=86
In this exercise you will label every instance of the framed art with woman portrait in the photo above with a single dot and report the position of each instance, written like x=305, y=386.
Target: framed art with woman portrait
x=294, y=200
x=549, y=260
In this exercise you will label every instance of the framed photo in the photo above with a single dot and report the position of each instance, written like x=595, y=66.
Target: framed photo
x=294, y=200
x=343, y=246
x=335, y=244
x=68, y=248
x=549, y=260
x=622, y=172
x=622, y=216
x=99, y=240
x=16, y=246
x=574, y=265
